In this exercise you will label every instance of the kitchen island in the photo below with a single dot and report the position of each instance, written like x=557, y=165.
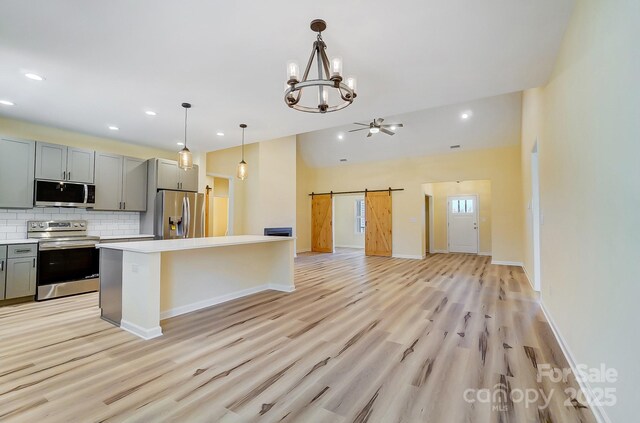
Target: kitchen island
x=143, y=282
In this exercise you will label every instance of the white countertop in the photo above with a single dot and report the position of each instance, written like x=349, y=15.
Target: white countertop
x=18, y=241
x=160, y=246
x=108, y=237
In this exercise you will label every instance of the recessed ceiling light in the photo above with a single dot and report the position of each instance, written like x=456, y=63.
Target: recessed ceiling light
x=180, y=143
x=7, y=103
x=34, y=76
x=150, y=113
x=220, y=134
x=466, y=115
x=374, y=130
x=340, y=136
x=114, y=128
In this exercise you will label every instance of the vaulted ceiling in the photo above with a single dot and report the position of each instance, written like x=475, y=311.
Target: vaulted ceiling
x=107, y=62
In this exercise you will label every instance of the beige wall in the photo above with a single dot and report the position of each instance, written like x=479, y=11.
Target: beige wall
x=32, y=131
x=501, y=166
x=267, y=198
x=587, y=122
x=344, y=221
x=304, y=183
x=440, y=191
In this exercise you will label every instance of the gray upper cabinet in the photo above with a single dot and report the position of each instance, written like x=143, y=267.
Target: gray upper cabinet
x=188, y=179
x=17, y=158
x=62, y=163
x=80, y=165
x=134, y=186
x=108, y=181
x=167, y=174
x=121, y=183
x=170, y=176
x=51, y=161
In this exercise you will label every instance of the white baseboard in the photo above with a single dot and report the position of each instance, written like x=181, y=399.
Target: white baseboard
x=140, y=331
x=439, y=252
x=408, y=256
x=303, y=251
x=360, y=247
x=177, y=311
x=506, y=263
x=484, y=253
x=598, y=411
x=526, y=273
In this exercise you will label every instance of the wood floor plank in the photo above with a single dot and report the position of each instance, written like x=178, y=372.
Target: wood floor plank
x=361, y=339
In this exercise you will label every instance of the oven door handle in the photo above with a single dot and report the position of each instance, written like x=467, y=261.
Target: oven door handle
x=65, y=247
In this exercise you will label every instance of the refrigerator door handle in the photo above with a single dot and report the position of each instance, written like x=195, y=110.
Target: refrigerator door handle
x=188, y=226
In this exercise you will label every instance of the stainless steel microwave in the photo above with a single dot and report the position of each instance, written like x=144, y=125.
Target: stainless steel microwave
x=64, y=194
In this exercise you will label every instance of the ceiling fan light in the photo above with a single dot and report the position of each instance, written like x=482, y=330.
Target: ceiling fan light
x=374, y=130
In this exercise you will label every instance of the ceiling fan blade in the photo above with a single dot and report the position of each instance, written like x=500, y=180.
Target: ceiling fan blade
x=379, y=121
x=369, y=134
x=386, y=131
x=389, y=125
x=358, y=123
x=359, y=129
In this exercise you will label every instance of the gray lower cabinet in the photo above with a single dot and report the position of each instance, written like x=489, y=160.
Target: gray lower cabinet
x=3, y=270
x=21, y=271
x=62, y=163
x=121, y=183
x=17, y=159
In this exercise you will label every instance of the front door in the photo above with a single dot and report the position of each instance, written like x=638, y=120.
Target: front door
x=463, y=224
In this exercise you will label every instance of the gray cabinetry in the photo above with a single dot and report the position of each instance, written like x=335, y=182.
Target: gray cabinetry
x=121, y=183
x=21, y=271
x=17, y=159
x=3, y=270
x=170, y=176
x=134, y=184
x=62, y=163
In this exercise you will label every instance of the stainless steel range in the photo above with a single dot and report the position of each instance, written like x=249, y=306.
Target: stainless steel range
x=68, y=262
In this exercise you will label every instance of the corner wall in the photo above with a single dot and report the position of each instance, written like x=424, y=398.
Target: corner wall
x=587, y=122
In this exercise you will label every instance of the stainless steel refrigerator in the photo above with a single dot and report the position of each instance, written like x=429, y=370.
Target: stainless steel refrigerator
x=179, y=214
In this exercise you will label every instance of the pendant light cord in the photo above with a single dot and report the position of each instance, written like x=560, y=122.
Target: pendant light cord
x=243, y=144
x=185, y=126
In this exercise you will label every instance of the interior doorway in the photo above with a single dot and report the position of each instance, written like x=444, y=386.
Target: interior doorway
x=462, y=224
x=220, y=205
x=535, y=216
x=349, y=221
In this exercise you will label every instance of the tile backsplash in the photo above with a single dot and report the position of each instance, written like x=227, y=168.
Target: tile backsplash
x=13, y=222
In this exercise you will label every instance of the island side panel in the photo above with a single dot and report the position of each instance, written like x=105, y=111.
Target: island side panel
x=194, y=279
x=141, y=294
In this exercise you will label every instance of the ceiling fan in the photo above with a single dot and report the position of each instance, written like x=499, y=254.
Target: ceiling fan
x=376, y=126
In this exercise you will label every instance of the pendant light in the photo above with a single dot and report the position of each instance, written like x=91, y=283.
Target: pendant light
x=243, y=168
x=185, y=158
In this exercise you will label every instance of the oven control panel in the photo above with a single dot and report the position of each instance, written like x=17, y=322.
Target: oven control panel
x=56, y=225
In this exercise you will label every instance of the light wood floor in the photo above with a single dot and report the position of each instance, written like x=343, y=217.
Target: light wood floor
x=361, y=339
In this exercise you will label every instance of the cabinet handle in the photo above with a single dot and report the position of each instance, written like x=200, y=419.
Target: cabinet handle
x=69, y=176
x=23, y=251
x=1, y=266
x=124, y=205
x=34, y=263
x=64, y=175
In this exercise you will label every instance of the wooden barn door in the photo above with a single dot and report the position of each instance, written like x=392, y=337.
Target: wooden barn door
x=377, y=240
x=322, y=223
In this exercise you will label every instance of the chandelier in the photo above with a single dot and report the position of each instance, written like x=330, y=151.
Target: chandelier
x=329, y=79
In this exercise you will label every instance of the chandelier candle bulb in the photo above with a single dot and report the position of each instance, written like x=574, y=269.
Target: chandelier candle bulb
x=336, y=67
x=352, y=83
x=293, y=72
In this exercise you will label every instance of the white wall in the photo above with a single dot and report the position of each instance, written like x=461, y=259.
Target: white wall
x=13, y=223
x=344, y=221
x=587, y=123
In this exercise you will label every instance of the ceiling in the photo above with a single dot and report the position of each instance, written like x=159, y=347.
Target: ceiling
x=492, y=122
x=107, y=62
